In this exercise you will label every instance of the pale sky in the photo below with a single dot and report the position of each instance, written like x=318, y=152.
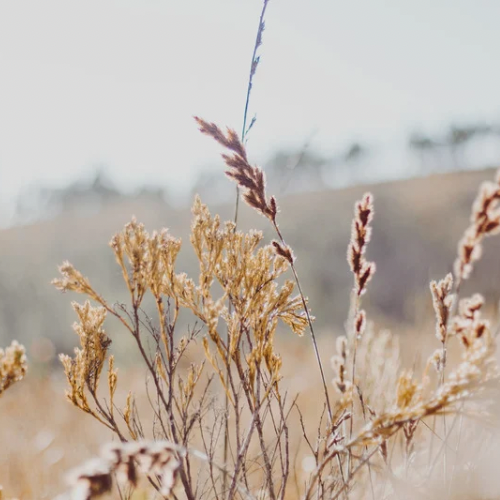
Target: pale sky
x=117, y=82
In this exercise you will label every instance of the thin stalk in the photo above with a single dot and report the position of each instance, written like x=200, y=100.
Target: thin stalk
x=353, y=374
x=311, y=328
x=253, y=67
x=244, y=130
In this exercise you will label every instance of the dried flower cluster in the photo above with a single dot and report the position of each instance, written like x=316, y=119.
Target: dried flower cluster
x=126, y=462
x=360, y=236
x=84, y=370
x=249, y=178
x=468, y=324
x=13, y=365
x=485, y=221
x=442, y=299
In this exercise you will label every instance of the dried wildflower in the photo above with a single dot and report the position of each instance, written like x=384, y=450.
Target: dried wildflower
x=126, y=460
x=83, y=371
x=360, y=236
x=485, y=221
x=13, y=365
x=284, y=250
x=476, y=371
x=240, y=296
x=74, y=281
x=250, y=179
x=470, y=308
x=145, y=259
x=339, y=363
x=468, y=324
x=442, y=300
x=247, y=274
x=360, y=323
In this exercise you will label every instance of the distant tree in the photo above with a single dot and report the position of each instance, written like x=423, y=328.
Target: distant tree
x=149, y=193
x=425, y=148
x=353, y=159
x=213, y=187
x=299, y=170
x=80, y=196
x=457, y=139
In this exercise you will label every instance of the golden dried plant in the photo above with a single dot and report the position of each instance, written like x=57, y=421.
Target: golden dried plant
x=247, y=275
x=13, y=365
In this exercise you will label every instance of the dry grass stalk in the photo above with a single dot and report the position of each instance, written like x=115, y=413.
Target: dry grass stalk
x=442, y=299
x=252, y=180
x=363, y=271
x=360, y=236
x=244, y=132
x=253, y=69
x=485, y=221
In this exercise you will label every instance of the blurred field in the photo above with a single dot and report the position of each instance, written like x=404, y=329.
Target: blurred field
x=416, y=228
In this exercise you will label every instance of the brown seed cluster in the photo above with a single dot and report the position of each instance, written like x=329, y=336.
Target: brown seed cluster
x=126, y=462
x=284, y=250
x=250, y=179
x=360, y=236
x=485, y=221
x=442, y=299
x=468, y=324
